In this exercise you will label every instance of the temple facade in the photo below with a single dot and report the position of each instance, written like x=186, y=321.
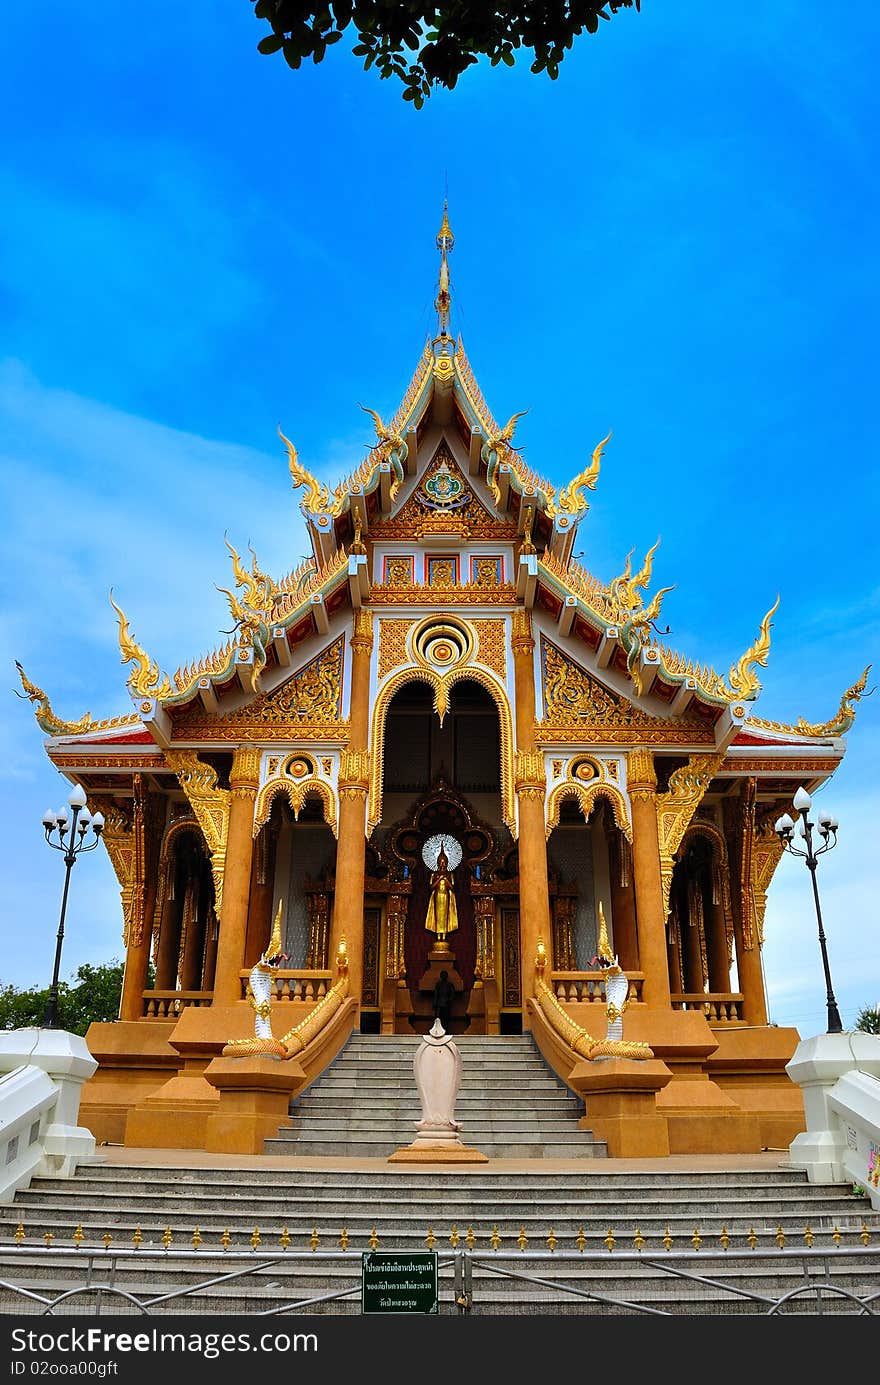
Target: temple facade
x=443, y=690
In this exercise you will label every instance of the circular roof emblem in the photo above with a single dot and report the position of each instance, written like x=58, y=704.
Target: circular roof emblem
x=444, y=487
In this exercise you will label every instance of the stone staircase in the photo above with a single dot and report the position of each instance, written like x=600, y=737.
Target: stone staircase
x=286, y=1235
x=312, y=1209
x=510, y=1103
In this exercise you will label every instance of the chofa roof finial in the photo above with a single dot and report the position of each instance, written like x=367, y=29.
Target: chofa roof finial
x=443, y=301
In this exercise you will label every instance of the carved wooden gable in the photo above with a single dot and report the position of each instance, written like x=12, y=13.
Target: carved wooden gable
x=443, y=502
x=572, y=696
x=311, y=697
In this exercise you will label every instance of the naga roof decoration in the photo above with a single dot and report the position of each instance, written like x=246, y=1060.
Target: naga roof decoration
x=837, y=725
x=145, y=680
x=267, y=606
x=56, y=726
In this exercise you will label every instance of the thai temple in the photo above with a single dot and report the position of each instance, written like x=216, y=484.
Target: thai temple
x=442, y=744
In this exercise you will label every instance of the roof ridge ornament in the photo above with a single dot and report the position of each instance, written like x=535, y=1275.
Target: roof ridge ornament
x=743, y=682
x=837, y=726
x=317, y=499
x=146, y=680
x=443, y=301
x=46, y=718
x=572, y=497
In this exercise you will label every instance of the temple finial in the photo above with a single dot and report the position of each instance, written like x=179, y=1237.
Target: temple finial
x=603, y=949
x=443, y=301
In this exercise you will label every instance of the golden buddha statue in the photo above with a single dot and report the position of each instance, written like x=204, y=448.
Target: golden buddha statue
x=442, y=916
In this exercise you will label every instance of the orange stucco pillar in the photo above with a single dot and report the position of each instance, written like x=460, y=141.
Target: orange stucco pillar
x=144, y=828
x=716, y=950
x=650, y=914
x=623, y=904
x=531, y=785
x=753, y=857
x=243, y=782
x=748, y=969
x=692, y=946
x=348, y=899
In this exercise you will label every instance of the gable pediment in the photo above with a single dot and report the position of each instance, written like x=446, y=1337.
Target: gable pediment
x=309, y=700
x=573, y=696
x=443, y=501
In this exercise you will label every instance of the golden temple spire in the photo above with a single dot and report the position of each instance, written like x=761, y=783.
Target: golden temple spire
x=443, y=301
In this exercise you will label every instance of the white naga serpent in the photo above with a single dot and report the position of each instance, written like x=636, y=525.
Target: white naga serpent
x=261, y=988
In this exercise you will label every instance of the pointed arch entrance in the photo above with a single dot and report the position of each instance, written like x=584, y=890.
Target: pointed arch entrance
x=441, y=788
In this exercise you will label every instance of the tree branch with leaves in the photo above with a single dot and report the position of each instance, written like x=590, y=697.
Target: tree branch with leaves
x=426, y=46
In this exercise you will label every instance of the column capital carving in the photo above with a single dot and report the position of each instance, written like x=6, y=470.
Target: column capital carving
x=354, y=773
x=530, y=781
x=361, y=637
x=641, y=777
x=521, y=639
x=244, y=777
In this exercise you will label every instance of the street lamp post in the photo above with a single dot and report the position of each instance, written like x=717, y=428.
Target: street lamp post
x=77, y=824
x=784, y=828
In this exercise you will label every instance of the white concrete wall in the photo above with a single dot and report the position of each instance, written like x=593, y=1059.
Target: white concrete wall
x=839, y=1075
x=42, y=1072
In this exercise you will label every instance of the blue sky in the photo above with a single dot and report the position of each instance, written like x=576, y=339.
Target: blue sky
x=676, y=240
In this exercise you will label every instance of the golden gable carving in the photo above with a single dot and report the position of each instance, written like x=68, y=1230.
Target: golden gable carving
x=312, y=697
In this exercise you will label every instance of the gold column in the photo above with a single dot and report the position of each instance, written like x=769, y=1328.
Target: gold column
x=531, y=786
x=262, y=892
x=211, y=931
x=760, y=851
x=145, y=868
x=717, y=950
x=692, y=941
x=650, y=914
x=193, y=938
x=354, y=771
x=243, y=783
x=623, y=902
x=168, y=950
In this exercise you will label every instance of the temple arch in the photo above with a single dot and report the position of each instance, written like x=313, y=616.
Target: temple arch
x=297, y=792
x=587, y=796
x=185, y=928
x=441, y=686
x=701, y=918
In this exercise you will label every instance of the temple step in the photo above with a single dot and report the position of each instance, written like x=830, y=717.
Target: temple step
x=366, y=1104
x=310, y=1206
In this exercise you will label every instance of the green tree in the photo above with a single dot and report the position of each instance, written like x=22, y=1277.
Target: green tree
x=92, y=995
x=426, y=45
x=868, y=1019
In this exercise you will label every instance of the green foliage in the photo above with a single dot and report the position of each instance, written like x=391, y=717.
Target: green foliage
x=93, y=995
x=868, y=1019
x=426, y=45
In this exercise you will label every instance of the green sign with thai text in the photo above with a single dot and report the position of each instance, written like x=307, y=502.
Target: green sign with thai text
x=399, y=1281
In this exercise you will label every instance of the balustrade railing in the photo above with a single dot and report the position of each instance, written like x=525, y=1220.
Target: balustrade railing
x=719, y=1007
x=588, y=987
x=297, y=984
x=167, y=1005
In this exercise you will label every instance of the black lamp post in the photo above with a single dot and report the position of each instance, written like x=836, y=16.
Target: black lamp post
x=784, y=828
x=77, y=823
